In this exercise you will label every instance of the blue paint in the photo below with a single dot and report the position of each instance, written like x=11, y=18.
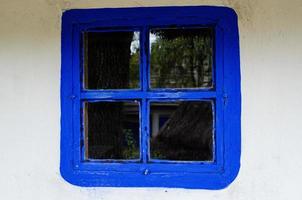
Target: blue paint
x=216, y=174
x=102, y=95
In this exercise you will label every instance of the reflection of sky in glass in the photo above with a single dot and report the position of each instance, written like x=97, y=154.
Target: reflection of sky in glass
x=152, y=39
x=135, y=43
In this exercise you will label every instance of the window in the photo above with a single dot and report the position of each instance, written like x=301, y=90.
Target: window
x=150, y=97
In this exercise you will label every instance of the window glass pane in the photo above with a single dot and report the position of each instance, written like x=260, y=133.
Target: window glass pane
x=181, y=58
x=182, y=130
x=111, y=60
x=111, y=130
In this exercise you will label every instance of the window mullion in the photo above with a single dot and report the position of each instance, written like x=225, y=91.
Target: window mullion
x=144, y=61
x=144, y=129
x=144, y=78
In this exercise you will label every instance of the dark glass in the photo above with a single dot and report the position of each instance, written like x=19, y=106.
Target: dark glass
x=111, y=60
x=181, y=58
x=111, y=130
x=182, y=130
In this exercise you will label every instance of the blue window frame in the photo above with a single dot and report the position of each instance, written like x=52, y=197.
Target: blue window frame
x=225, y=97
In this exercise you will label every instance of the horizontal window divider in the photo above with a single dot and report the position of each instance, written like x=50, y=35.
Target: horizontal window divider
x=154, y=95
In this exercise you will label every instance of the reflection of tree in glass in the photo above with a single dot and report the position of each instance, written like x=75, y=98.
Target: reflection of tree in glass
x=181, y=58
x=130, y=151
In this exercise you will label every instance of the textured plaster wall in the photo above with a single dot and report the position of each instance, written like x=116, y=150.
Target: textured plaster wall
x=271, y=57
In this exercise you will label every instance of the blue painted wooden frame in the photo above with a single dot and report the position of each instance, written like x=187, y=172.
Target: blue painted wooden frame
x=216, y=174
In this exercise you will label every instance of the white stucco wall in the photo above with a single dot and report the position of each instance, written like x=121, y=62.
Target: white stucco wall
x=271, y=68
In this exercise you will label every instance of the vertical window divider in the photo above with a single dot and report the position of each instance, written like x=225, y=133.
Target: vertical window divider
x=144, y=78
x=144, y=130
x=144, y=63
